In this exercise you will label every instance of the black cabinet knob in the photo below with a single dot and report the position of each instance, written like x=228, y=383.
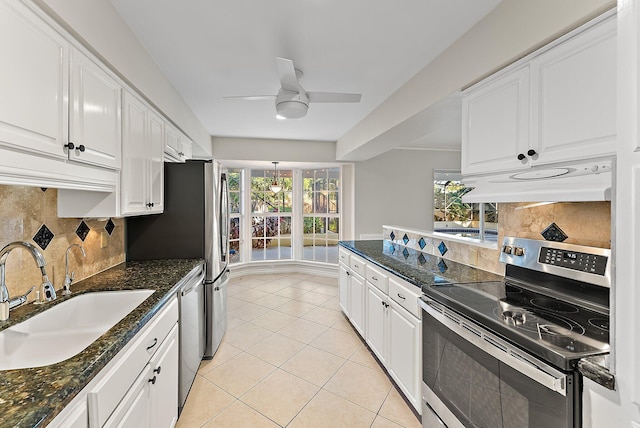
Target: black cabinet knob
x=70, y=145
x=81, y=147
x=521, y=157
x=157, y=370
x=153, y=380
x=531, y=152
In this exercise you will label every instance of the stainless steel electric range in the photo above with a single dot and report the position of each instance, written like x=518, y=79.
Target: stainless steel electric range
x=504, y=354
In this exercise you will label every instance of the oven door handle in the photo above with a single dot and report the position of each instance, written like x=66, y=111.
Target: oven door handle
x=500, y=349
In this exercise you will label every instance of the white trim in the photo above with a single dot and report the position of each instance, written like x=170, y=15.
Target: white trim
x=283, y=266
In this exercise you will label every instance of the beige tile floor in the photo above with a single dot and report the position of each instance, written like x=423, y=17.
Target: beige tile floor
x=291, y=359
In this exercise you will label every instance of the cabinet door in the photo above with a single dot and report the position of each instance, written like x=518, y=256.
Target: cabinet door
x=94, y=120
x=173, y=143
x=133, y=410
x=405, y=350
x=187, y=148
x=164, y=391
x=376, y=320
x=34, y=84
x=356, y=308
x=134, y=183
x=343, y=288
x=156, y=163
x=495, y=124
x=574, y=96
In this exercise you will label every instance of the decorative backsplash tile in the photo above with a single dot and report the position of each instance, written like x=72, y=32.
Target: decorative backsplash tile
x=422, y=243
x=83, y=230
x=24, y=211
x=554, y=233
x=584, y=223
x=442, y=247
x=43, y=237
x=109, y=227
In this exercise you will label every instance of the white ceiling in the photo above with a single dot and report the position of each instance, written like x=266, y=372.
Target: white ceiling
x=212, y=48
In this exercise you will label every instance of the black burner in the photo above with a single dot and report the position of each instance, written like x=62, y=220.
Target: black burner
x=554, y=305
x=601, y=323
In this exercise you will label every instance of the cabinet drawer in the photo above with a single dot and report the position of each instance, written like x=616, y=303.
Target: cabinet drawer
x=343, y=256
x=127, y=365
x=357, y=265
x=378, y=278
x=406, y=295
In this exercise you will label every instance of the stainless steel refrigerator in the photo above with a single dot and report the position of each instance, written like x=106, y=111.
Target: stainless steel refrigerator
x=194, y=224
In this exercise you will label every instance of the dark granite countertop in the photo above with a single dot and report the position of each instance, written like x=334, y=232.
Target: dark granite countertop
x=418, y=268
x=33, y=397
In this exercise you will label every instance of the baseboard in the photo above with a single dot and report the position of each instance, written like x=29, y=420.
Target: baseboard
x=271, y=267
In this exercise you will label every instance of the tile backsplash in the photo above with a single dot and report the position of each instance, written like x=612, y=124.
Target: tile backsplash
x=585, y=223
x=29, y=211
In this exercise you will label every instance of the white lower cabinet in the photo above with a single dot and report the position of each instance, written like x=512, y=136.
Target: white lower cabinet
x=133, y=410
x=163, y=398
x=356, y=294
x=343, y=288
x=377, y=322
x=138, y=387
x=385, y=312
x=352, y=297
x=405, y=350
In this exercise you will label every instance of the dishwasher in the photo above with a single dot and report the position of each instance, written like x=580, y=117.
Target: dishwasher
x=192, y=331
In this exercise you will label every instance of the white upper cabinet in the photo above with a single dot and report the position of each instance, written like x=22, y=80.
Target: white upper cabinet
x=34, y=84
x=94, y=121
x=495, y=123
x=142, y=174
x=556, y=105
x=574, y=96
x=178, y=147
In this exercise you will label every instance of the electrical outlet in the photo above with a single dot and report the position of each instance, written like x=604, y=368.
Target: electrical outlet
x=104, y=240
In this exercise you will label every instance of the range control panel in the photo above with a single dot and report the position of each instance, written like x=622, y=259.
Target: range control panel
x=584, y=262
x=578, y=262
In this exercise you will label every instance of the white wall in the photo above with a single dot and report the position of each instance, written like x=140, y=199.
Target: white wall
x=260, y=149
x=513, y=29
x=99, y=25
x=397, y=188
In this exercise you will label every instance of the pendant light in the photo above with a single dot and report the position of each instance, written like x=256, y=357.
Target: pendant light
x=275, y=185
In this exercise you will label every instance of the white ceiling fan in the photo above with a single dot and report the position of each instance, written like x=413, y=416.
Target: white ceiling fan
x=292, y=101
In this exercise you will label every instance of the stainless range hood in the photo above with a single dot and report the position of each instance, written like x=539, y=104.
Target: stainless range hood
x=585, y=181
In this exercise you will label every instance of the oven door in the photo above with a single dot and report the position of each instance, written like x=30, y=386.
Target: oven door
x=472, y=378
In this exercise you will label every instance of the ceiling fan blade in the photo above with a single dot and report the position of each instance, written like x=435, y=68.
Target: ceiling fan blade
x=333, y=97
x=287, y=74
x=251, y=97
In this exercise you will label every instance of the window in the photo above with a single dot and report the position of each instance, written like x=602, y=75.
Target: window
x=451, y=215
x=301, y=222
x=321, y=218
x=271, y=215
x=234, y=181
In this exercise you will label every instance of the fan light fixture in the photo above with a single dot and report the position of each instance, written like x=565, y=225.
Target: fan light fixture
x=275, y=185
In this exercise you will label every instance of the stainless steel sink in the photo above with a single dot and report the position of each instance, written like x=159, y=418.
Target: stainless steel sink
x=65, y=329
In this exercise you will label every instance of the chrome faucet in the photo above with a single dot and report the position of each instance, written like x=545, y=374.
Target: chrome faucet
x=68, y=279
x=48, y=291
